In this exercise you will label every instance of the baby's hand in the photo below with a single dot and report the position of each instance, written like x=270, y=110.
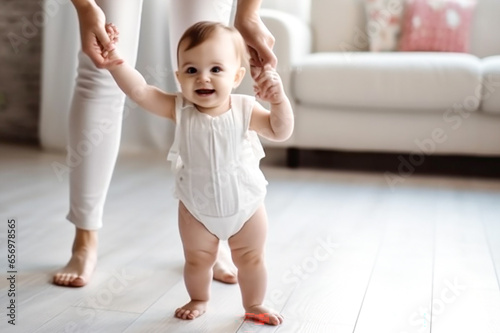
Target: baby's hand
x=111, y=57
x=269, y=87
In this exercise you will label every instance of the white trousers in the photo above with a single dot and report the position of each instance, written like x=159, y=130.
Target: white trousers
x=97, y=107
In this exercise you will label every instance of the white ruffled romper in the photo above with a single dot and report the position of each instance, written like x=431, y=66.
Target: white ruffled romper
x=216, y=164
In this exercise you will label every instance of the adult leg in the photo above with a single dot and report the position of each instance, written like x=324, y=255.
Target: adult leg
x=94, y=136
x=187, y=12
x=183, y=14
x=200, y=252
x=247, y=248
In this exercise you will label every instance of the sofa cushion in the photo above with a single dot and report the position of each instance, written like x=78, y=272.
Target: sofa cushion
x=389, y=81
x=491, y=85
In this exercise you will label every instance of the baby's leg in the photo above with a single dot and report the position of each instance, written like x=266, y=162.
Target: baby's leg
x=200, y=251
x=247, y=249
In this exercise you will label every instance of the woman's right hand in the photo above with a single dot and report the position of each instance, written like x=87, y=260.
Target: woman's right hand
x=93, y=35
x=112, y=58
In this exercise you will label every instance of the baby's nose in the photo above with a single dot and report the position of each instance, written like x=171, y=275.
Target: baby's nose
x=204, y=77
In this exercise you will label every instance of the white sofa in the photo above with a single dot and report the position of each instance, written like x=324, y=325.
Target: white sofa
x=346, y=98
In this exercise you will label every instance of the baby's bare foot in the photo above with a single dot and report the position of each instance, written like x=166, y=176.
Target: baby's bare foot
x=262, y=314
x=224, y=269
x=79, y=270
x=191, y=310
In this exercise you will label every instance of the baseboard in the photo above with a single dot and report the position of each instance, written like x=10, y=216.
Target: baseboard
x=396, y=163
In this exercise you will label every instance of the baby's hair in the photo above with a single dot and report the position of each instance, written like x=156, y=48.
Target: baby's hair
x=201, y=31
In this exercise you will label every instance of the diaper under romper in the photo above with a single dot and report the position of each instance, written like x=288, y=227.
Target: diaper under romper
x=216, y=165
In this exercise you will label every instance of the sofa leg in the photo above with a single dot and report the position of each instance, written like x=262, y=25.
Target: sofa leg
x=293, y=157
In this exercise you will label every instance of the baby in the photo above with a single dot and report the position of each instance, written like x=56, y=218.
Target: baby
x=215, y=157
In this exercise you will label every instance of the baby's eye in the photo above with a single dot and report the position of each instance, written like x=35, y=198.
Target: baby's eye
x=191, y=70
x=216, y=69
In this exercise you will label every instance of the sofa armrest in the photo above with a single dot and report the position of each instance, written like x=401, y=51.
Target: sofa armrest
x=293, y=42
x=293, y=37
x=491, y=85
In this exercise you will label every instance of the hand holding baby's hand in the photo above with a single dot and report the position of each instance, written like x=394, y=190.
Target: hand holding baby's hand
x=268, y=86
x=111, y=56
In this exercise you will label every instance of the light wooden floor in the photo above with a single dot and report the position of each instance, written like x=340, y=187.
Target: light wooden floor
x=346, y=253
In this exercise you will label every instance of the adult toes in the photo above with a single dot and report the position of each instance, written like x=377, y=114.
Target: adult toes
x=78, y=282
x=60, y=279
x=229, y=278
x=66, y=279
x=56, y=279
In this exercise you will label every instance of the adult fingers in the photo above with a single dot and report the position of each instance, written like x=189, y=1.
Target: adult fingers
x=267, y=57
x=102, y=36
x=255, y=64
x=97, y=45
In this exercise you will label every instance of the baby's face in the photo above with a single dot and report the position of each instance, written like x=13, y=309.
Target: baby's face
x=209, y=71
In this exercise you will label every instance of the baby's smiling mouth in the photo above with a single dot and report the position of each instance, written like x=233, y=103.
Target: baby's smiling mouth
x=205, y=92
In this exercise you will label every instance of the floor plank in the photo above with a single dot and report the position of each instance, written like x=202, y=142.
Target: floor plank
x=346, y=253
x=466, y=294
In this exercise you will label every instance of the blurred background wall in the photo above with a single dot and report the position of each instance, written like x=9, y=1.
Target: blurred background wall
x=21, y=23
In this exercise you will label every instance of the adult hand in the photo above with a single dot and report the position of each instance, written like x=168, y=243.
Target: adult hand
x=259, y=41
x=112, y=58
x=93, y=33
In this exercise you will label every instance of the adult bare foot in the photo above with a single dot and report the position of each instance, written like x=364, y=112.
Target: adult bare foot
x=79, y=270
x=264, y=315
x=224, y=269
x=191, y=310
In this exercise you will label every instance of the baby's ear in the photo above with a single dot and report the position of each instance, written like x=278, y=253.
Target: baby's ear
x=240, y=74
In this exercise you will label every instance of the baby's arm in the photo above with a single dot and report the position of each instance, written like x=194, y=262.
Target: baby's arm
x=133, y=84
x=276, y=124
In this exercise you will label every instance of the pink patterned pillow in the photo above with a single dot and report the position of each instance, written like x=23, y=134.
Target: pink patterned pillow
x=384, y=23
x=437, y=25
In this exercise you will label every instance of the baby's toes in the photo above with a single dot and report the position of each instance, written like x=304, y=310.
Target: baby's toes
x=186, y=314
x=275, y=319
x=179, y=313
